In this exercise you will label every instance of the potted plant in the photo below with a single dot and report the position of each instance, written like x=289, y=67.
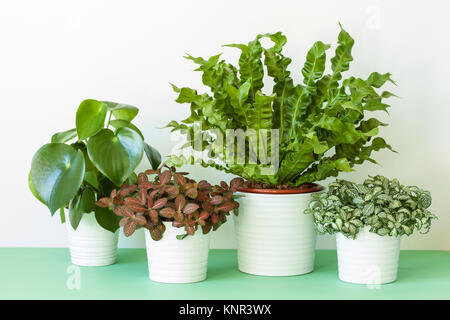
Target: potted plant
x=84, y=164
x=369, y=220
x=302, y=133
x=178, y=214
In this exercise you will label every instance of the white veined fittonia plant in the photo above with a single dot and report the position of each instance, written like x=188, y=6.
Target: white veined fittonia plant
x=384, y=205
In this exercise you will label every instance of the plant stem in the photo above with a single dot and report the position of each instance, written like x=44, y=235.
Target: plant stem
x=109, y=119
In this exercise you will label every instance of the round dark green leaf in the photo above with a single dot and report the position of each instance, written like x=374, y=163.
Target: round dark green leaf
x=107, y=219
x=153, y=156
x=88, y=200
x=122, y=111
x=57, y=171
x=90, y=118
x=76, y=211
x=116, y=155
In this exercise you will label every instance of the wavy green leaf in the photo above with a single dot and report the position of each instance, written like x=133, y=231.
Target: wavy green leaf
x=116, y=155
x=90, y=118
x=122, y=111
x=124, y=123
x=57, y=171
x=63, y=137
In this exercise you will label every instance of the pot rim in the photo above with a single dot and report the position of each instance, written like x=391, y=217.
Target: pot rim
x=312, y=187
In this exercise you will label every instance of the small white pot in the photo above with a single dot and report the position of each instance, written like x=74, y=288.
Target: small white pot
x=368, y=259
x=274, y=236
x=177, y=261
x=90, y=244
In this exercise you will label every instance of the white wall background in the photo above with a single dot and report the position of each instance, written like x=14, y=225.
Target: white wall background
x=54, y=54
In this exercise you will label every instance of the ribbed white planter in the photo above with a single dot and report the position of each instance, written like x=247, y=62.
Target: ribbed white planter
x=368, y=259
x=177, y=261
x=90, y=244
x=274, y=236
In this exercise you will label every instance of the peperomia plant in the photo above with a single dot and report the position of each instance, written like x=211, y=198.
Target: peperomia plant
x=84, y=164
x=171, y=196
x=321, y=123
x=384, y=205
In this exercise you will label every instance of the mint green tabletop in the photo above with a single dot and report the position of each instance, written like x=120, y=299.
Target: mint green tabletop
x=37, y=273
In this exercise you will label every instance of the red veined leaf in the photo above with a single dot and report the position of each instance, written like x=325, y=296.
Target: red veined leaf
x=145, y=185
x=214, y=218
x=236, y=183
x=167, y=212
x=124, y=221
x=226, y=206
x=136, y=207
x=192, y=193
x=140, y=220
x=158, y=204
x=156, y=234
x=104, y=203
x=203, y=184
x=132, y=200
x=150, y=171
x=190, y=208
x=180, y=202
x=153, y=213
x=224, y=185
x=153, y=193
x=177, y=224
x=201, y=222
x=149, y=201
x=190, y=223
x=196, y=215
x=203, y=196
x=113, y=194
x=228, y=196
x=143, y=196
x=142, y=177
x=216, y=200
x=127, y=212
x=129, y=228
x=179, y=217
x=118, y=210
x=154, y=216
x=165, y=177
x=179, y=179
x=207, y=206
x=218, y=189
x=206, y=228
x=172, y=190
x=204, y=215
x=190, y=230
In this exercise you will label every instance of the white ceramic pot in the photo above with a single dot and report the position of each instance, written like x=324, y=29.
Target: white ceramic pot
x=274, y=236
x=177, y=261
x=368, y=259
x=90, y=244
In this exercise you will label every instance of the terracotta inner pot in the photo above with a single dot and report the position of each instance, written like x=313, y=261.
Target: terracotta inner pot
x=305, y=188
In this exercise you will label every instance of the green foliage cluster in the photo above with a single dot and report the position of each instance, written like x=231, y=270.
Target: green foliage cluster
x=86, y=163
x=384, y=205
x=321, y=122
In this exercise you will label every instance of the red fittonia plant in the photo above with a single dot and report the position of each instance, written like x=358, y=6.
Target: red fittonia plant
x=172, y=197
